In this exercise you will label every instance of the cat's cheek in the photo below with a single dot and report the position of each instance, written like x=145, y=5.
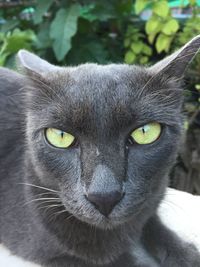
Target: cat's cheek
x=55, y=165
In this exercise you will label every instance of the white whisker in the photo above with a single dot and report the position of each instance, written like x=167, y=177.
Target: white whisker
x=41, y=187
x=41, y=199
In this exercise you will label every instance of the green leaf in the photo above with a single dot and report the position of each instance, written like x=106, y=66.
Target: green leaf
x=63, y=28
x=137, y=47
x=129, y=57
x=86, y=12
x=144, y=60
x=163, y=43
x=2, y=36
x=170, y=27
x=161, y=9
x=151, y=37
x=152, y=26
x=197, y=86
x=3, y=57
x=127, y=42
x=192, y=2
x=140, y=5
x=9, y=25
x=41, y=8
x=43, y=38
x=147, y=50
x=19, y=40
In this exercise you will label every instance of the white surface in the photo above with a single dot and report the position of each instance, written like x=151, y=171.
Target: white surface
x=179, y=211
x=8, y=260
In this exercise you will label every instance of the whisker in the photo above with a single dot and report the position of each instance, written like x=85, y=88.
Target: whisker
x=46, y=193
x=41, y=199
x=50, y=206
x=56, y=214
x=41, y=187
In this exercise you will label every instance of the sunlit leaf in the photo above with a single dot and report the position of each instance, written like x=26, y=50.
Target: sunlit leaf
x=140, y=5
x=170, y=27
x=147, y=50
x=163, y=43
x=152, y=26
x=19, y=40
x=161, y=9
x=144, y=60
x=129, y=57
x=137, y=47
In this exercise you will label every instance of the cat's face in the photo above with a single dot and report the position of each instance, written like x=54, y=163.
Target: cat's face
x=101, y=106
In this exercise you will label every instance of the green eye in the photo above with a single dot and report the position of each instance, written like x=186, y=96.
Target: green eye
x=147, y=134
x=59, y=138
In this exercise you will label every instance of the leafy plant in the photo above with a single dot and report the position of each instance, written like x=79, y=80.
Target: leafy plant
x=11, y=42
x=138, y=50
x=160, y=28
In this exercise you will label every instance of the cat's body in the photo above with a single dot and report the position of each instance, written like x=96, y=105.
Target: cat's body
x=101, y=105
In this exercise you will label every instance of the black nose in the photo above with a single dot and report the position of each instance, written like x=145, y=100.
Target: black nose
x=105, y=202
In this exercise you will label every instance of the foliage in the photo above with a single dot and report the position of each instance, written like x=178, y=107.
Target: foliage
x=11, y=42
x=161, y=26
x=72, y=32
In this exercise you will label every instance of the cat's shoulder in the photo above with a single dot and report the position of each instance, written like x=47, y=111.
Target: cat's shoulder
x=10, y=80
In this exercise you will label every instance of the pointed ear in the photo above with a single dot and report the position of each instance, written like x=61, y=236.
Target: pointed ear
x=176, y=64
x=32, y=64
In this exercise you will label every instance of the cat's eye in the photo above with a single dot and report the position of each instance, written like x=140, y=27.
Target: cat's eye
x=147, y=134
x=59, y=138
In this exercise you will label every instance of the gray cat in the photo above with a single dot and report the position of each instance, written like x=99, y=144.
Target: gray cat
x=85, y=154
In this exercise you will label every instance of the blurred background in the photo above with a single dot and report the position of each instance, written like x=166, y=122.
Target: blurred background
x=70, y=32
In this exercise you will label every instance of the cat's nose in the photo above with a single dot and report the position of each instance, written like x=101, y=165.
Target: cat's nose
x=105, y=202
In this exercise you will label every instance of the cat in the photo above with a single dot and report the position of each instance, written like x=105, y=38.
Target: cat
x=85, y=154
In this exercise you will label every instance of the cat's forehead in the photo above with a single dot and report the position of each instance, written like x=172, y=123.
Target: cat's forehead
x=106, y=75
x=97, y=82
x=93, y=95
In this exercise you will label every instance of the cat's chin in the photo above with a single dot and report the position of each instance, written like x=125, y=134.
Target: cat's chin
x=103, y=222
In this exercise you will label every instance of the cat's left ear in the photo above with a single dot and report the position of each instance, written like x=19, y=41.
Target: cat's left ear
x=33, y=65
x=176, y=64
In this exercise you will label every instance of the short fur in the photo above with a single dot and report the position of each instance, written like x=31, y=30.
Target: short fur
x=100, y=105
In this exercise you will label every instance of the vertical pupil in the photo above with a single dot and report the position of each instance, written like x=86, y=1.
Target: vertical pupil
x=62, y=134
x=145, y=129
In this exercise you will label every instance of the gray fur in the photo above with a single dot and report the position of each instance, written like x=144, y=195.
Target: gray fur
x=100, y=105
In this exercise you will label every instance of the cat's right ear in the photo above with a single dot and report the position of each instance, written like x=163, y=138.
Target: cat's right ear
x=33, y=65
x=175, y=65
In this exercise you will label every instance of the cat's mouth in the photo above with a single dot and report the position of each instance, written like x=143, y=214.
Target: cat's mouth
x=90, y=215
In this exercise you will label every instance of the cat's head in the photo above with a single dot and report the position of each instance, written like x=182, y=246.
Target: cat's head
x=104, y=137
